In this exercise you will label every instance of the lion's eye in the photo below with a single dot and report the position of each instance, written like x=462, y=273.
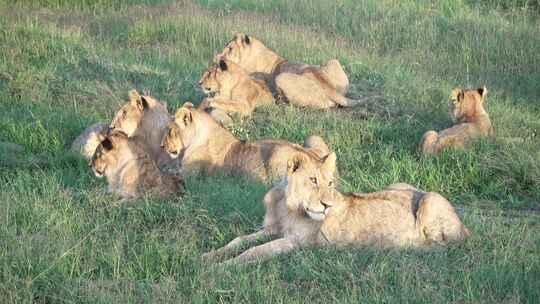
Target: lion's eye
x=124, y=114
x=330, y=184
x=313, y=180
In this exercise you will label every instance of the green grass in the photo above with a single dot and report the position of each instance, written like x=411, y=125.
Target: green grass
x=67, y=64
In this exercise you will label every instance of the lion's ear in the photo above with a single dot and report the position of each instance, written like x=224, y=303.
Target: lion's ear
x=183, y=116
x=294, y=163
x=457, y=94
x=142, y=103
x=329, y=164
x=222, y=65
x=482, y=91
x=107, y=144
x=134, y=95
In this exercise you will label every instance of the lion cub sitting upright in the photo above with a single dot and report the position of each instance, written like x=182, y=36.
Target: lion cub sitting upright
x=467, y=109
x=234, y=91
x=129, y=168
x=307, y=210
x=147, y=118
x=205, y=146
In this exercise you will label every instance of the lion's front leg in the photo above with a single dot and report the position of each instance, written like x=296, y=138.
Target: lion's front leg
x=231, y=106
x=263, y=252
x=235, y=244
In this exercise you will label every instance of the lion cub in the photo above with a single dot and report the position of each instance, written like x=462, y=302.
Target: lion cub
x=467, y=109
x=129, y=168
x=234, y=91
x=147, y=118
x=306, y=209
x=303, y=85
x=205, y=146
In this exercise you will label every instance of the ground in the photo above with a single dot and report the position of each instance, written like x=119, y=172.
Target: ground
x=65, y=65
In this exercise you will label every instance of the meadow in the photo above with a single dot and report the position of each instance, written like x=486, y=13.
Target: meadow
x=67, y=64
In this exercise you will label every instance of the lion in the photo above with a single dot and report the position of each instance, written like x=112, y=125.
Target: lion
x=205, y=146
x=467, y=110
x=301, y=84
x=233, y=90
x=147, y=118
x=130, y=170
x=86, y=143
x=306, y=209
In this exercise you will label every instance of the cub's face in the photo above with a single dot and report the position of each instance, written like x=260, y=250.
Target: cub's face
x=311, y=186
x=107, y=153
x=181, y=132
x=128, y=118
x=466, y=104
x=209, y=82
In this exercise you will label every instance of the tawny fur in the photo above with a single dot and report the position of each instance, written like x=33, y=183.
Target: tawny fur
x=205, y=146
x=130, y=170
x=301, y=84
x=147, y=118
x=87, y=142
x=472, y=121
x=307, y=210
x=233, y=89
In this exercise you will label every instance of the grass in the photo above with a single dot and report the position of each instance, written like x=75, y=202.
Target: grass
x=65, y=65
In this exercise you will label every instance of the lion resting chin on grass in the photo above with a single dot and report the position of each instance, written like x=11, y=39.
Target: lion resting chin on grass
x=467, y=109
x=130, y=170
x=307, y=210
x=301, y=84
x=205, y=146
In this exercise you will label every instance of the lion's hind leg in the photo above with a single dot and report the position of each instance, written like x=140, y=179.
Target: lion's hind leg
x=303, y=91
x=429, y=142
x=438, y=221
x=334, y=73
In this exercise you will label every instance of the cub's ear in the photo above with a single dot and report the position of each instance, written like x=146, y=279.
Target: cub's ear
x=457, y=94
x=246, y=39
x=329, y=163
x=134, y=95
x=222, y=65
x=482, y=91
x=142, y=103
x=294, y=163
x=107, y=144
x=184, y=116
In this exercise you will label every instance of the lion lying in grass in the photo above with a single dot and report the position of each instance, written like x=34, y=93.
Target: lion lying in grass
x=467, y=109
x=301, y=84
x=233, y=90
x=205, y=146
x=307, y=210
x=129, y=168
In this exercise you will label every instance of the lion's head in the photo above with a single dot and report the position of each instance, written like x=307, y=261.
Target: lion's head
x=466, y=105
x=247, y=52
x=311, y=185
x=188, y=126
x=221, y=76
x=132, y=115
x=109, y=153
